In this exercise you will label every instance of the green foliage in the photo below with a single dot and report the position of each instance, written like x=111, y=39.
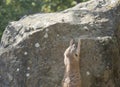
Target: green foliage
x=14, y=9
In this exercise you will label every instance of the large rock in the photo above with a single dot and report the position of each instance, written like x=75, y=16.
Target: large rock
x=31, y=52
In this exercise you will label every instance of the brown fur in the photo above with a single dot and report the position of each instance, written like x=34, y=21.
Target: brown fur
x=72, y=70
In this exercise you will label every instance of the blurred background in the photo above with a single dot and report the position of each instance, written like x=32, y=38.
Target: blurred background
x=12, y=10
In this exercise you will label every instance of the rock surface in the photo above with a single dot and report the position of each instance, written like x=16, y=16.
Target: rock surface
x=31, y=52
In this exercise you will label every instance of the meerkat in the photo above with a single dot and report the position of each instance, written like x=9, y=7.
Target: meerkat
x=72, y=76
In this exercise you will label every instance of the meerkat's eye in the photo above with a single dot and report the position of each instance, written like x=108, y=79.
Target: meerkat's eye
x=76, y=55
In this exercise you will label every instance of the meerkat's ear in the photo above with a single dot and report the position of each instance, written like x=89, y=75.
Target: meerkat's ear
x=71, y=42
x=78, y=46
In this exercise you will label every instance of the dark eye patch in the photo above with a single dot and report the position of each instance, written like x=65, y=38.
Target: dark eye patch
x=76, y=55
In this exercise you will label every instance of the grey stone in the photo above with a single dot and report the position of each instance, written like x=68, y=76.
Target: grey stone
x=38, y=41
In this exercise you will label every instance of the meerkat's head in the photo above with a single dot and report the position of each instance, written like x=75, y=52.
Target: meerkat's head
x=73, y=51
